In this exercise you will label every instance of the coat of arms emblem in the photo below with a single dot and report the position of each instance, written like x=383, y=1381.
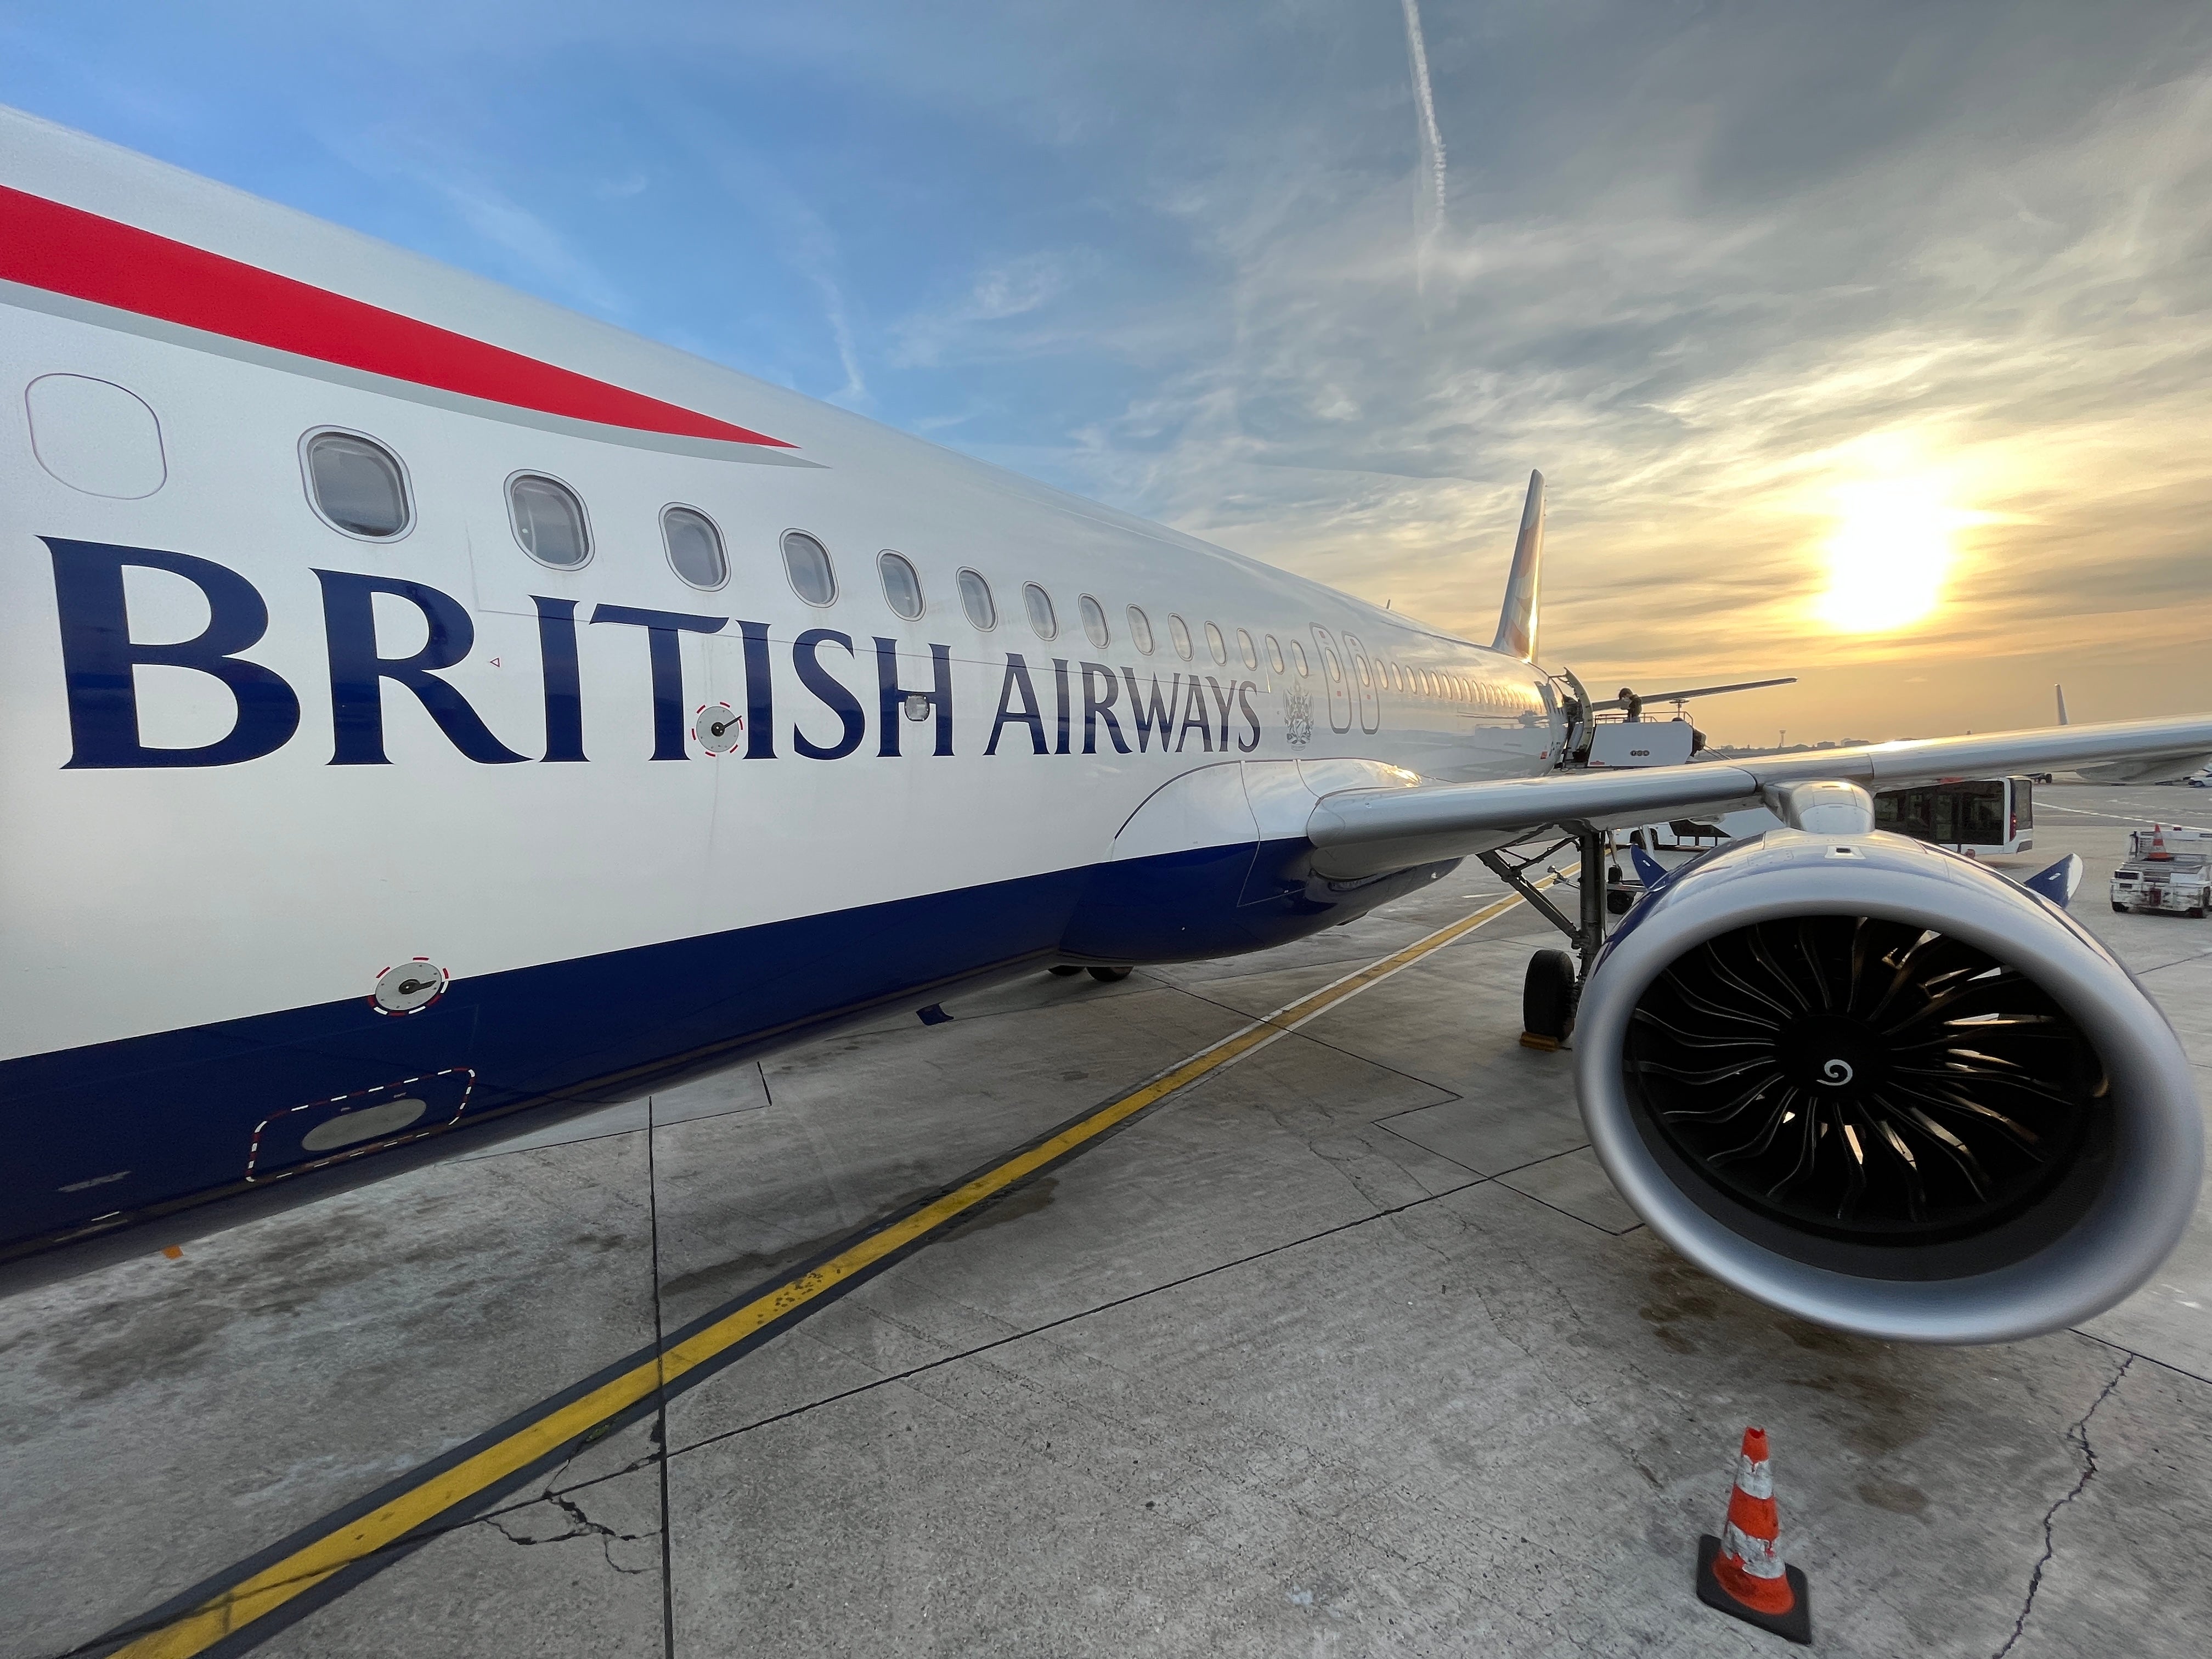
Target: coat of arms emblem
x=1297, y=726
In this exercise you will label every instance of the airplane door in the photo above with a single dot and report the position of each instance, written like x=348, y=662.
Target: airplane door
x=1333, y=675
x=1367, y=683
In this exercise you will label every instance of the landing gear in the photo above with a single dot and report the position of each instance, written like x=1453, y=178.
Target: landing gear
x=1554, y=980
x=1548, y=1000
x=1064, y=970
x=1109, y=975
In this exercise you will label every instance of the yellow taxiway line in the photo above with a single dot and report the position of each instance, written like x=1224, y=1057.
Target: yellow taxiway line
x=444, y=1489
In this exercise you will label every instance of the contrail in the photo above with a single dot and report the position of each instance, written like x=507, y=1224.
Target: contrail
x=1430, y=206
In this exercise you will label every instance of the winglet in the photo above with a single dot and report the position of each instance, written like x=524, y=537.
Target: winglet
x=2060, y=882
x=1517, y=622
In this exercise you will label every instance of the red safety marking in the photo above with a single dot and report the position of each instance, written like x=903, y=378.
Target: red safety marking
x=65, y=250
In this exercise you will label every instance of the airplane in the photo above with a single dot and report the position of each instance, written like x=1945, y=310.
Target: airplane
x=429, y=712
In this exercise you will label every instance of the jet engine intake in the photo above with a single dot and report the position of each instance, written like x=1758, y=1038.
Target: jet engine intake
x=1882, y=1087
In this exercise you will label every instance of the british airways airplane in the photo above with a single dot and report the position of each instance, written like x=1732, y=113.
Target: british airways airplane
x=425, y=708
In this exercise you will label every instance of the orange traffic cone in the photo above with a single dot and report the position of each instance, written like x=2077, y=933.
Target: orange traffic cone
x=1741, y=1571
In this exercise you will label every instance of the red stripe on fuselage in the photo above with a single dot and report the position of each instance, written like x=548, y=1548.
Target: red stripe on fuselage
x=65, y=250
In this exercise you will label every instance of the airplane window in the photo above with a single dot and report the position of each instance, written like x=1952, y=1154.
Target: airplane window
x=901, y=587
x=549, y=520
x=1329, y=661
x=357, y=485
x=1360, y=667
x=1275, y=653
x=1251, y=652
x=1042, y=622
x=1179, y=631
x=1299, y=655
x=807, y=562
x=694, y=546
x=976, y=599
x=1094, y=621
x=1140, y=630
x=1216, y=644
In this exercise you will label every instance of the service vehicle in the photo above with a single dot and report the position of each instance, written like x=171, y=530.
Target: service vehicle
x=2168, y=870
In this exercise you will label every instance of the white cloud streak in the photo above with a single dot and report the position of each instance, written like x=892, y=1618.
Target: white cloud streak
x=1429, y=199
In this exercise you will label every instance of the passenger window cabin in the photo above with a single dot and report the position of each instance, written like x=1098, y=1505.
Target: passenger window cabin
x=694, y=547
x=1179, y=631
x=357, y=486
x=807, y=563
x=1216, y=644
x=549, y=521
x=1044, y=621
x=902, y=584
x=1140, y=630
x=1094, y=621
x=976, y=599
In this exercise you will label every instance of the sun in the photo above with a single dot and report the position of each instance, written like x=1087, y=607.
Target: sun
x=1888, y=555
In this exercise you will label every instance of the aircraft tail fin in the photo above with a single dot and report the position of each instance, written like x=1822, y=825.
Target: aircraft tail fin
x=2060, y=690
x=1517, y=621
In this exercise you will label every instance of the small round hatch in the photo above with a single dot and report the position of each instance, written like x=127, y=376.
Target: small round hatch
x=720, y=729
x=409, y=987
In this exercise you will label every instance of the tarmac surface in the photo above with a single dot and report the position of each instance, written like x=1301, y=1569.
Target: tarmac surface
x=1347, y=1348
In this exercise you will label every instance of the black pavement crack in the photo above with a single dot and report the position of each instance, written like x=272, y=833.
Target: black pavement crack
x=2078, y=1435
x=582, y=1527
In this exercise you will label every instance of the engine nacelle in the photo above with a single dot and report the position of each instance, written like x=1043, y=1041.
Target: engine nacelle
x=1877, y=1086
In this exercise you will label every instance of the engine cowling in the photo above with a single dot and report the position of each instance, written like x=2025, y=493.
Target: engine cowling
x=1879, y=1086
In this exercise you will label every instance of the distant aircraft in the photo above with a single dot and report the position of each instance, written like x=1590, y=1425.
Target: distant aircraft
x=427, y=711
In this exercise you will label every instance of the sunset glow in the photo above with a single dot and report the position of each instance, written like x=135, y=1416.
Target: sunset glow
x=1887, y=556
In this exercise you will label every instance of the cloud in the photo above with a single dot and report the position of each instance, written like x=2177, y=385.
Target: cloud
x=527, y=240
x=1020, y=287
x=1431, y=192
x=1993, y=274
x=1702, y=264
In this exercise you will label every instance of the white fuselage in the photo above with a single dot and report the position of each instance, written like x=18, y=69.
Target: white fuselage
x=143, y=899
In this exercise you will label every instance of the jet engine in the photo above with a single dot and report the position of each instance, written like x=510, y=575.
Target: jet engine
x=1880, y=1087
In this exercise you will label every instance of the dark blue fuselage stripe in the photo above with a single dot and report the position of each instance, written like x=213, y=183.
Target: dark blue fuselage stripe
x=179, y=1111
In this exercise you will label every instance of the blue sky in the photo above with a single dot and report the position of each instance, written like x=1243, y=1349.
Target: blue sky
x=1723, y=271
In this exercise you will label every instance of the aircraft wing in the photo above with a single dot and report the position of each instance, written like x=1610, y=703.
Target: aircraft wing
x=1365, y=832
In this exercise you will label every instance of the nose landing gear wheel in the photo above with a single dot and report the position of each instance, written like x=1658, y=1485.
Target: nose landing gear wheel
x=1065, y=970
x=1548, y=1000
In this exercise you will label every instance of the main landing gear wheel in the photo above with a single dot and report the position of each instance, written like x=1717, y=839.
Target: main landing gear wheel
x=1064, y=970
x=1548, y=1000
x=1107, y=975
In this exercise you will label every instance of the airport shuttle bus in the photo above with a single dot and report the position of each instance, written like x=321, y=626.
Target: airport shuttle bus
x=1981, y=815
